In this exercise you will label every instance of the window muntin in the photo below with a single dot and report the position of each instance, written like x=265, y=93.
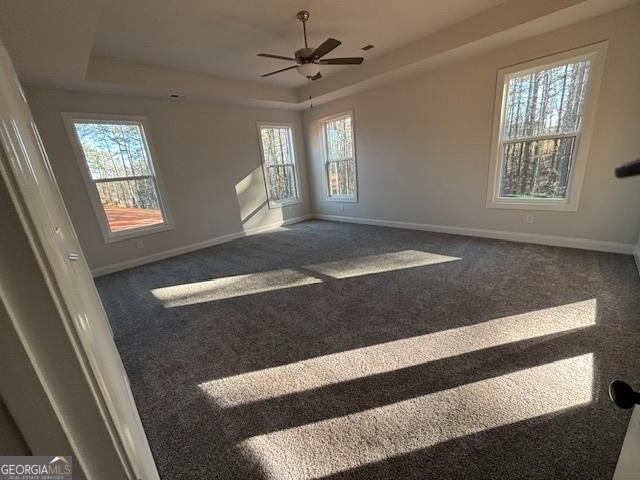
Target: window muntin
x=278, y=158
x=541, y=122
x=340, y=163
x=120, y=170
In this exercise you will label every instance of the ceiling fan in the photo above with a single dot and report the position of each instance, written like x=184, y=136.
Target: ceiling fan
x=308, y=60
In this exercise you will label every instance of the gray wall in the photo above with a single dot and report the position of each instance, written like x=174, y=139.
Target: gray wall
x=208, y=156
x=423, y=143
x=423, y=148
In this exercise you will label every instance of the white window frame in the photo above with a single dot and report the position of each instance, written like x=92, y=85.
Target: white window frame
x=265, y=167
x=596, y=53
x=325, y=167
x=69, y=119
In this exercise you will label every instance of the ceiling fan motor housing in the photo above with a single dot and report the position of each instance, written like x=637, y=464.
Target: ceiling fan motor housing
x=303, y=54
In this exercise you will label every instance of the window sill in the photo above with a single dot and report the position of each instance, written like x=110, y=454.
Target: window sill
x=342, y=199
x=540, y=205
x=136, y=232
x=284, y=203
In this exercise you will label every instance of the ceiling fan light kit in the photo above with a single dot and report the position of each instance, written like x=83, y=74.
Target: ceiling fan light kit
x=309, y=59
x=308, y=70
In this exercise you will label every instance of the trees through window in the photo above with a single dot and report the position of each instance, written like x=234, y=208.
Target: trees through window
x=340, y=162
x=120, y=169
x=541, y=123
x=278, y=158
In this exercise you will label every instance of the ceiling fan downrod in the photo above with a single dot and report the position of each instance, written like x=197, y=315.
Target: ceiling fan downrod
x=303, y=16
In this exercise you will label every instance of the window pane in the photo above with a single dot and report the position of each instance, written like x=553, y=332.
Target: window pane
x=339, y=139
x=113, y=149
x=537, y=169
x=281, y=183
x=342, y=177
x=546, y=102
x=130, y=203
x=276, y=145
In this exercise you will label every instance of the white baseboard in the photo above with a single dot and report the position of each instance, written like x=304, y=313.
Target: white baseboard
x=135, y=262
x=553, y=240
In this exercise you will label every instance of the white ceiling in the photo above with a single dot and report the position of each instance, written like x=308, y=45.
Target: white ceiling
x=49, y=42
x=222, y=37
x=205, y=50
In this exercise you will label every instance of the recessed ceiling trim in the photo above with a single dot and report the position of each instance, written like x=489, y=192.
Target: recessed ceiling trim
x=509, y=22
x=512, y=21
x=163, y=82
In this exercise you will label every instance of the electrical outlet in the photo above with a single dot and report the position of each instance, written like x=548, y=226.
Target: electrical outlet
x=140, y=244
x=529, y=218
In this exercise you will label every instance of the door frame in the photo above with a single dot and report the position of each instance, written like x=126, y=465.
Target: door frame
x=87, y=337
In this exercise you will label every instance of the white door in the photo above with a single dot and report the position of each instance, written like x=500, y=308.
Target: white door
x=628, y=467
x=34, y=185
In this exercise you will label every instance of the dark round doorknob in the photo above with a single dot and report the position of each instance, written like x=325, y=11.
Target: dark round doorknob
x=623, y=395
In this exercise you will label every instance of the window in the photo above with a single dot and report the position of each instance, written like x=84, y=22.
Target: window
x=119, y=173
x=278, y=160
x=545, y=112
x=340, y=159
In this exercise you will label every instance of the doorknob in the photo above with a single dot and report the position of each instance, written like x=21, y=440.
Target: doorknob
x=74, y=256
x=623, y=395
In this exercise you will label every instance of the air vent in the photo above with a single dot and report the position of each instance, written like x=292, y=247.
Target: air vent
x=367, y=47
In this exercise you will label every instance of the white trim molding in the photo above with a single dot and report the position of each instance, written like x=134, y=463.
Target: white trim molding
x=596, y=54
x=174, y=252
x=521, y=237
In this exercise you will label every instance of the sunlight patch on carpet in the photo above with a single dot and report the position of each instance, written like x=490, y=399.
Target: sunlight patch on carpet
x=335, y=445
x=386, y=357
x=229, y=287
x=386, y=262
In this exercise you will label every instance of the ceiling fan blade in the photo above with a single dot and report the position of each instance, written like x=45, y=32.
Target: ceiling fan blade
x=328, y=45
x=342, y=61
x=279, y=57
x=278, y=71
x=316, y=76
